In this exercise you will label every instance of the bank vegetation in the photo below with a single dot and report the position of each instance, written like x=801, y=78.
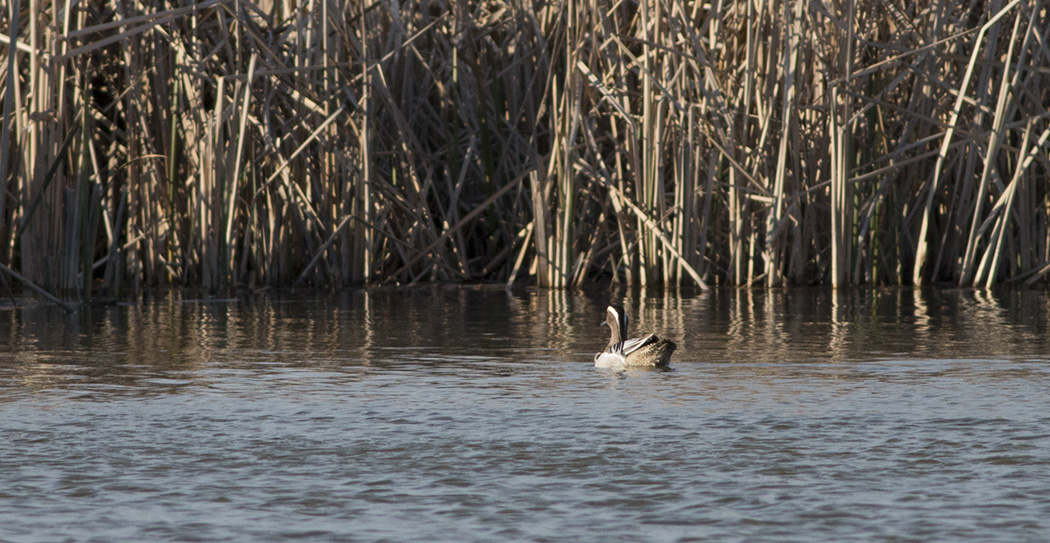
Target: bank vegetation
x=228, y=144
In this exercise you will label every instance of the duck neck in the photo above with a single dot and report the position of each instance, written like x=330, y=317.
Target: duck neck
x=617, y=322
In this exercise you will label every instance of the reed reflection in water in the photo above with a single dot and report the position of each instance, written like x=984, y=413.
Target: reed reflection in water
x=474, y=414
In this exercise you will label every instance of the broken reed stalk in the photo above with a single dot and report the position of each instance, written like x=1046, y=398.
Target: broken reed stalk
x=236, y=144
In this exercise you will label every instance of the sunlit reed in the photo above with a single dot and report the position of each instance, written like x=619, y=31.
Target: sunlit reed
x=231, y=144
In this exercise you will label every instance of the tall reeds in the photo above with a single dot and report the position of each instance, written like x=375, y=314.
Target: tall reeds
x=236, y=144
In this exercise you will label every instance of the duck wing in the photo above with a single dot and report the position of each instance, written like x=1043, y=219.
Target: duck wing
x=629, y=346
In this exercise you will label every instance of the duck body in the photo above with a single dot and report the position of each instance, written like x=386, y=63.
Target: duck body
x=647, y=351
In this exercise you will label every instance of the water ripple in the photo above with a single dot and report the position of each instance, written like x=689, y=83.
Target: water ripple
x=414, y=437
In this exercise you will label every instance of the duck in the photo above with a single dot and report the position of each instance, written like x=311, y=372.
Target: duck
x=650, y=350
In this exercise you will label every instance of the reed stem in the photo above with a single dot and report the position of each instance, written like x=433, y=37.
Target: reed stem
x=661, y=142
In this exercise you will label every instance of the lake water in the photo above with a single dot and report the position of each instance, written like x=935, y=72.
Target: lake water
x=474, y=414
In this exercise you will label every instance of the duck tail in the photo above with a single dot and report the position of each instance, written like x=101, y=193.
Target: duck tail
x=666, y=347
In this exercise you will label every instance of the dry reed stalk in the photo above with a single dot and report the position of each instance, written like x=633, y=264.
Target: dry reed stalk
x=923, y=243
x=775, y=216
x=840, y=132
x=10, y=76
x=666, y=142
x=994, y=141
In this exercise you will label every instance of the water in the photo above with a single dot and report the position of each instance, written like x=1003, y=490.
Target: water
x=471, y=414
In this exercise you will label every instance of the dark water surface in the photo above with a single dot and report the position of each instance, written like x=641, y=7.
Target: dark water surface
x=473, y=414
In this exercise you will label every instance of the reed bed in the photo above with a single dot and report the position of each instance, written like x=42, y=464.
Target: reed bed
x=227, y=144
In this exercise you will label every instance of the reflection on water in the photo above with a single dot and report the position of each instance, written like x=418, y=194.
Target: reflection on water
x=474, y=414
x=362, y=326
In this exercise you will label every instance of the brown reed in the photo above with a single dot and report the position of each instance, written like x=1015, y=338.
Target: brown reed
x=236, y=144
